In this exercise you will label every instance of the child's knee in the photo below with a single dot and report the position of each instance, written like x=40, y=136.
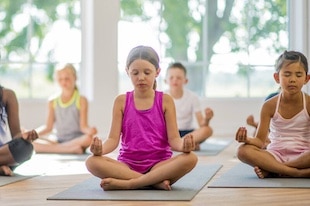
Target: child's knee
x=91, y=163
x=20, y=149
x=242, y=151
x=192, y=159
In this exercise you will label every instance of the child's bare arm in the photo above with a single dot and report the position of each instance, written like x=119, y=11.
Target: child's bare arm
x=203, y=120
x=262, y=131
x=115, y=131
x=12, y=108
x=177, y=143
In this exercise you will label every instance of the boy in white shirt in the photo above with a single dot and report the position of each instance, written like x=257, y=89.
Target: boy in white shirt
x=188, y=105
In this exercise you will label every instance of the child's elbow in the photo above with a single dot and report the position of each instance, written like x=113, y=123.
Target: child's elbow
x=176, y=147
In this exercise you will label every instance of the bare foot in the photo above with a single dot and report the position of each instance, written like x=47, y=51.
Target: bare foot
x=260, y=173
x=115, y=184
x=164, y=185
x=6, y=171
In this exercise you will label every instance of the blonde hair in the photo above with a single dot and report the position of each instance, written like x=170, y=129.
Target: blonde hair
x=68, y=67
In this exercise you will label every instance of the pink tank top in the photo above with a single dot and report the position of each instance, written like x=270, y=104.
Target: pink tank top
x=290, y=135
x=144, y=135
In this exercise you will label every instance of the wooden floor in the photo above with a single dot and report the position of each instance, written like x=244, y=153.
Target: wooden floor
x=65, y=174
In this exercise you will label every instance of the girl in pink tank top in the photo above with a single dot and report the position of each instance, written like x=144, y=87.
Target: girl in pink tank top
x=144, y=120
x=151, y=144
x=289, y=137
x=285, y=120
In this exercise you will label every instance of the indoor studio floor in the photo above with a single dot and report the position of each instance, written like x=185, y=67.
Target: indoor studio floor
x=55, y=175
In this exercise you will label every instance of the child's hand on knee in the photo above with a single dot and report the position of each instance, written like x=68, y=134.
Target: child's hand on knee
x=241, y=135
x=208, y=113
x=30, y=136
x=188, y=143
x=96, y=146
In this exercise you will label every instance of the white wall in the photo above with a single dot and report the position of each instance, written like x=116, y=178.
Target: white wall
x=100, y=79
x=230, y=114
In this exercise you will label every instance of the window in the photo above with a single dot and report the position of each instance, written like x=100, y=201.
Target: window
x=34, y=36
x=223, y=43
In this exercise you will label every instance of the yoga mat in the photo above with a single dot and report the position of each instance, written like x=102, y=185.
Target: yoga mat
x=213, y=146
x=243, y=176
x=5, y=180
x=183, y=190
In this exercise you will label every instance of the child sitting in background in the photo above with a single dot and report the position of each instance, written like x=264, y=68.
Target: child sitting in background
x=67, y=114
x=15, y=147
x=187, y=106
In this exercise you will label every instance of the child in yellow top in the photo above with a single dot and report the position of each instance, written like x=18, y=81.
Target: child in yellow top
x=67, y=114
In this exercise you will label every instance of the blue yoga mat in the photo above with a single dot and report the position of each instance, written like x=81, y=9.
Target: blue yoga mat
x=213, y=146
x=243, y=176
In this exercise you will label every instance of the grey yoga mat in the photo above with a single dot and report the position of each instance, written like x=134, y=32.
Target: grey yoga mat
x=243, y=176
x=183, y=190
x=5, y=180
x=213, y=146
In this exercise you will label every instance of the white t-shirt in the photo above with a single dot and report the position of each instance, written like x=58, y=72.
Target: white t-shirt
x=186, y=107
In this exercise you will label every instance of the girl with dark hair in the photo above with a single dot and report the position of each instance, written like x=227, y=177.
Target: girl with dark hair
x=15, y=147
x=285, y=120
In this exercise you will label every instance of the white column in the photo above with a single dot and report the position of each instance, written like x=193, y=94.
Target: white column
x=99, y=59
x=299, y=29
x=299, y=37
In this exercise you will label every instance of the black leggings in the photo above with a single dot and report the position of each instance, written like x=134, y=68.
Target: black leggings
x=185, y=132
x=20, y=149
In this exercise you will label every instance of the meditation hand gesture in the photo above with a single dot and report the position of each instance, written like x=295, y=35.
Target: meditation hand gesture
x=188, y=143
x=209, y=113
x=241, y=135
x=96, y=146
x=30, y=136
